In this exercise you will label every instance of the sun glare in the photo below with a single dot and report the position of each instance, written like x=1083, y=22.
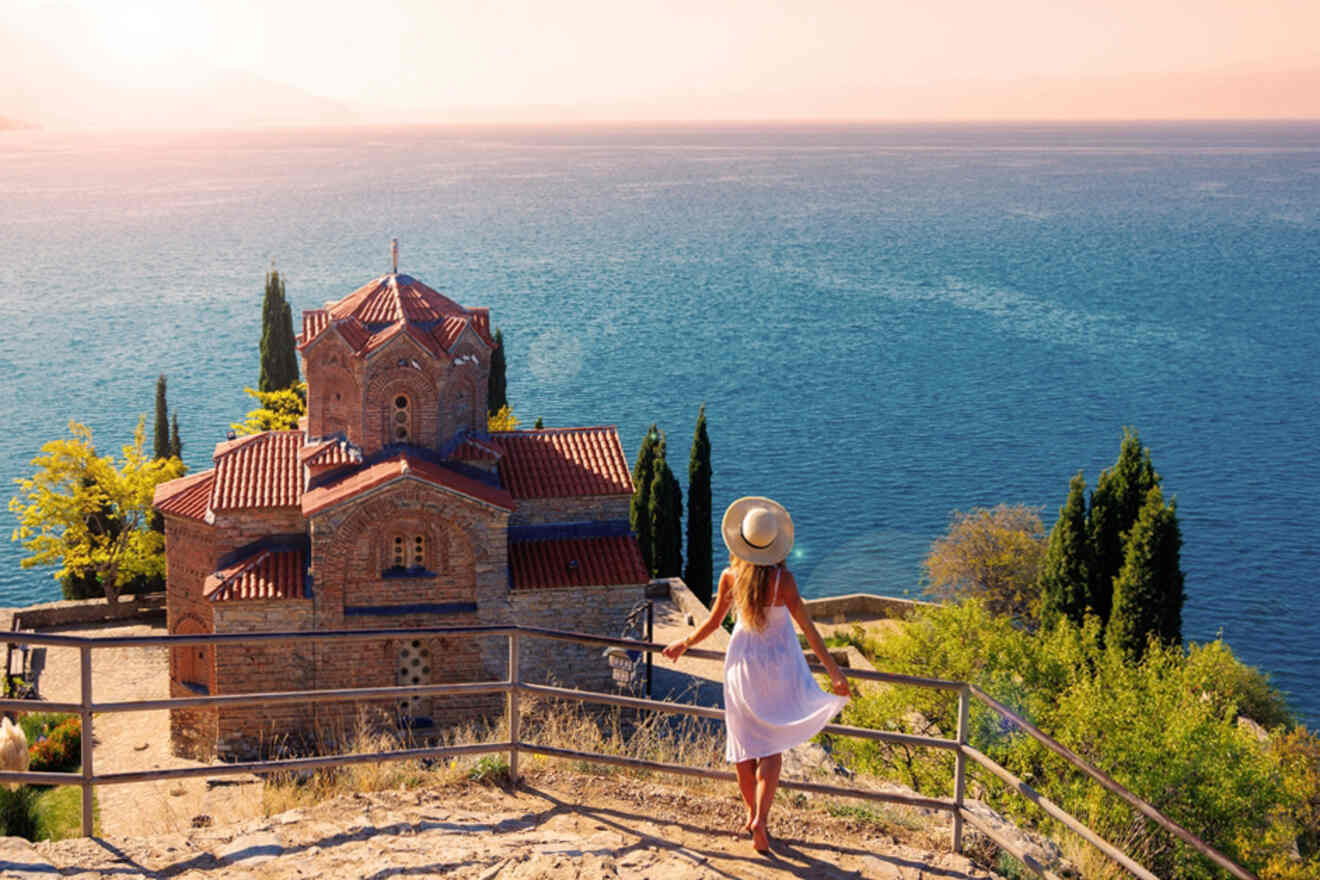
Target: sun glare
x=148, y=42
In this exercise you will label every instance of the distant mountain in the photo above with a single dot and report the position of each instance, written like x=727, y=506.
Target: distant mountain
x=38, y=87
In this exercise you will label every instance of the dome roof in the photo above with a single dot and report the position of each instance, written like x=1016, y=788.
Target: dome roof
x=392, y=298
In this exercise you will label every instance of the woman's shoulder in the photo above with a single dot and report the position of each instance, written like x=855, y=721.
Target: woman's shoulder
x=787, y=587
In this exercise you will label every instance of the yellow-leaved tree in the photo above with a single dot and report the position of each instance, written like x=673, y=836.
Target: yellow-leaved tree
x=502, y=419
x=993, y=554
x=279, y=410
x=89, y=516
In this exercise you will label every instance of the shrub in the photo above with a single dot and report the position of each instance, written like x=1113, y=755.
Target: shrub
x=56, y=748
x=16, y=818
x=1165, y=727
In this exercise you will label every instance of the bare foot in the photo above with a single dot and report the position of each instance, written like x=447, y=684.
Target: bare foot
x=760, y=840
x=751, y=820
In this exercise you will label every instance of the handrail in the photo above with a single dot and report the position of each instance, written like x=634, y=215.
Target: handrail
x=513, y=686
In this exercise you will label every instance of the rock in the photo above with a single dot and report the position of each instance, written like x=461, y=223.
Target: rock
x=201, y=821
x=251, y=849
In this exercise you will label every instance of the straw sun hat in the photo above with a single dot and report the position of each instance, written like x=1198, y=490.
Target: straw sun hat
x=758, y=530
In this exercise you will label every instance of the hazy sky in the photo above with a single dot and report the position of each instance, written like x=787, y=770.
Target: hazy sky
x=837, y=58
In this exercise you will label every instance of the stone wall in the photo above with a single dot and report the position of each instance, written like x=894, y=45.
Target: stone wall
x=594, y=610
x=591, y=508
x=861, y=606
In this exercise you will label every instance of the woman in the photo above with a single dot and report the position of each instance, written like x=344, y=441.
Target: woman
x=771, y=701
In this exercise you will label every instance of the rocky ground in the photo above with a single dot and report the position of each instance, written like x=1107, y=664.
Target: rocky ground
x=559, y=824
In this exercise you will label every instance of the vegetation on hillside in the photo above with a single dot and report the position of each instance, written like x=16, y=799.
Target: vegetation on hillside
x=1166, y=726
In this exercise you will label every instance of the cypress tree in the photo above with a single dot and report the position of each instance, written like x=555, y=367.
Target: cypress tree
x=699, y=572
x=279, y=357
x=1065, y=575
x=639, y=510
x=665, y=511
x=1148, y=592
x=161, y=447
x=1119, y=495
x=176, y=445
x=539, y=423
x=496, y=392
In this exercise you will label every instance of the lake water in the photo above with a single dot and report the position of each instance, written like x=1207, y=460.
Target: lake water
x=886, y=323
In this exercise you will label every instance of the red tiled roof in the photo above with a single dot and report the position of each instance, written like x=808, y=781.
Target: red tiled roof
x=187, y=496
x=266, y=574
x=391, y=298
x=563, y=462
x=576, y=562
x=260, y=470
x=396, y=300
x=472, y=449
x=331, y=452
x=314, y=321
x=401, y=467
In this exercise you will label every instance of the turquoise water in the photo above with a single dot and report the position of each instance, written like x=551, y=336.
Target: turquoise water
x=886, y=323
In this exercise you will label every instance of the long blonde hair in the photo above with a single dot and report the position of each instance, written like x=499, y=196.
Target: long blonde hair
x=751, y=590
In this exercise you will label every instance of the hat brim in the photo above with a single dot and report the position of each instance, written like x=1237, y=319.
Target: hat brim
x=731, y=529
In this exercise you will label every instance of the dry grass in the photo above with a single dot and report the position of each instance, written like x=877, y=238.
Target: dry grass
x=672, y=739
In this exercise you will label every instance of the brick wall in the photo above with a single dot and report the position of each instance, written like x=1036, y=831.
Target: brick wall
x=261, y=668
x=594, y=610
x=593, y=508
x=334, y=389
x=238, y=528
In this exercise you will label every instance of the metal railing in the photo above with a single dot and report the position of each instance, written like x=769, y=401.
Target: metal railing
x=513, y=687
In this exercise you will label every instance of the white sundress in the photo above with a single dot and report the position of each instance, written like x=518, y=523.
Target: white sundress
x=771, y=700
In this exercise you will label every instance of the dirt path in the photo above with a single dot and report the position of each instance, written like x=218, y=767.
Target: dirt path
x=560, y=824
x=125, y=741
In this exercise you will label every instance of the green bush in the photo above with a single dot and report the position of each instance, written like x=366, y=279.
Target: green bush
x=16, y=819
x=1165, y=727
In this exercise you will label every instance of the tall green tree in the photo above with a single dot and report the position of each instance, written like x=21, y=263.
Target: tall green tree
x=279, y=355
x=1148, y=592
x=1119, y=495
x=87, y=515
x=176, y=445
x=699, y=571
x=496, y=393
x=1065, y=574
x=639, y=510
x=161, y=447
x=665, y=511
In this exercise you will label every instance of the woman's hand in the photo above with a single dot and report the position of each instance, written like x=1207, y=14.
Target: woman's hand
x=839, y=684
x=674, y=650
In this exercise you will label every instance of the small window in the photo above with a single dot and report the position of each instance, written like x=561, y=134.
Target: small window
x=402, y=419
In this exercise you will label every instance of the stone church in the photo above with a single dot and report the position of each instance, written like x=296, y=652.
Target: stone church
x=392, y=507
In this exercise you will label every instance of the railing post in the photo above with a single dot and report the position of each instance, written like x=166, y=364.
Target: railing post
x=511, y=709
x=85, y=656
x=960, y=769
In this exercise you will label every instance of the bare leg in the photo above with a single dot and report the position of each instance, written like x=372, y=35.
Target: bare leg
x=767, y=780
x=747, y=787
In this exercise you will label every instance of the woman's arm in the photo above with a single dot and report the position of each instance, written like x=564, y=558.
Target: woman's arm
x=838, y=682
x=720, y=610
